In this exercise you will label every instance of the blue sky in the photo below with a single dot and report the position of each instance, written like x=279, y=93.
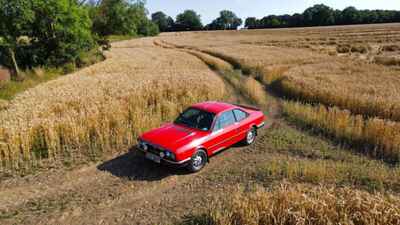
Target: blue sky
x=209, y=9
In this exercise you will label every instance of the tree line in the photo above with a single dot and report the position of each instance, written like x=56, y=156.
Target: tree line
x=190, y=20
x=58, y=32
x=317, y=15
x=322, y=15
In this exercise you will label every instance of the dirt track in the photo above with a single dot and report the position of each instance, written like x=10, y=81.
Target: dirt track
x=127, y=189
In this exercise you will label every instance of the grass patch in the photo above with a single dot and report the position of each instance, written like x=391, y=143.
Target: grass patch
x=11, y=88
x=300, y=157
x=115, y=38
x=40, y=74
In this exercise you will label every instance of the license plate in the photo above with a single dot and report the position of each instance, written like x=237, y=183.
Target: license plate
x=153, y=157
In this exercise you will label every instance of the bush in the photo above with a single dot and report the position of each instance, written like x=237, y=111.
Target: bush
x=89, y=58
x=69, y=67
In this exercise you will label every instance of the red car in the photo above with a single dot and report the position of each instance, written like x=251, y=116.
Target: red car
x=201, y=131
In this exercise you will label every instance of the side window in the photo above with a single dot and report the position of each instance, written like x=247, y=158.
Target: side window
x=240, y=115
x=224, y=120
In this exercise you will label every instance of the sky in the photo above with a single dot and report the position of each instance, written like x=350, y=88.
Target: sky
x=209, y=9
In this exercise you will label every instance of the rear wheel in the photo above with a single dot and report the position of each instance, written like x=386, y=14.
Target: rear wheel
x=198, y=161
x=250, y=136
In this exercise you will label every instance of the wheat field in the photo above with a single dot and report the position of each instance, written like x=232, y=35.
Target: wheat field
x=301, y=204
x=331, y=67
x=329, y=90
x=103, y=107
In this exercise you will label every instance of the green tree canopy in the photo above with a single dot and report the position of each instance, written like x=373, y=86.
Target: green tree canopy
x=60, y=31
x=161, y=19
x=188, y=20
x=113, y=17
x=44, y=32
x=16, y=17
x=226, y=21
x=350, y=15
x=251, y=23
x=122, y=17
x=319, y=15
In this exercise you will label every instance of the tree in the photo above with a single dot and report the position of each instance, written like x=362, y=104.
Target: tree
x=397, y=16
x=350, y=15
x=60, y=31
x=171, y=23
x=161, y=20
x=188, y=20
x=226, y=21
x=16, y=17
x=113, y=17
x=319, y=15
x=296, y=20
x=121, y=17
x=251, y=23
x=322, y=15
x=148, y=28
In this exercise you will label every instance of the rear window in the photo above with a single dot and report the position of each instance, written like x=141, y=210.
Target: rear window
x=240, y=115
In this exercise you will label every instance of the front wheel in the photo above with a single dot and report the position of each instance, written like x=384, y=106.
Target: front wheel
x=251, y=136
x=198, y=161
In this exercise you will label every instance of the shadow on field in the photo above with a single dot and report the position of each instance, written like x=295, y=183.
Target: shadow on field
x=133, y=166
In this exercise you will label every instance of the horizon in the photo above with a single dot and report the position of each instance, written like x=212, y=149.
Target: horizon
x=245, y=9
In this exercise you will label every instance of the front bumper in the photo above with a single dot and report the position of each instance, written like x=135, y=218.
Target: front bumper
x=164, y=160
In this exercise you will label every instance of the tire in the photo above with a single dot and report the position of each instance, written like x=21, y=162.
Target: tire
x=198, y=161
x=250, y=136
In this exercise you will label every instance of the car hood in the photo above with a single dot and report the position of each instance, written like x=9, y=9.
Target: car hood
x=172, y=136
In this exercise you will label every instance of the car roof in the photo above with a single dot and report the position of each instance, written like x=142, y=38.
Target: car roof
x=214, y=107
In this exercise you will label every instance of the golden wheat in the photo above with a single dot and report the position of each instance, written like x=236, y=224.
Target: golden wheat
x=299, y=204
x=373, y=175
x=380, y=138
x=278, y=57
x=104, y=106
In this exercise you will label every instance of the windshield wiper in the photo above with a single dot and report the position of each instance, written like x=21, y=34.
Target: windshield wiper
x=183, y=121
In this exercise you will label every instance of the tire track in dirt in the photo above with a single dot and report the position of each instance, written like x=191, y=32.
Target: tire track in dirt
x=124, y=189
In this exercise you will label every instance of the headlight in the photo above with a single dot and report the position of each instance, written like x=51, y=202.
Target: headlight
x=143, y=145
x=169, y=155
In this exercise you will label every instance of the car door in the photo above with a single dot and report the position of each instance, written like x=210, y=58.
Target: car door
x=242, y=123
x=224, y=132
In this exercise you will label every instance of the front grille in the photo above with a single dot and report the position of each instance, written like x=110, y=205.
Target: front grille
x=154, y=149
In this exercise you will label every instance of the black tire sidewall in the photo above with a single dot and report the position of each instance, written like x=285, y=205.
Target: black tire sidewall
x=255, y=135
x=194, y=169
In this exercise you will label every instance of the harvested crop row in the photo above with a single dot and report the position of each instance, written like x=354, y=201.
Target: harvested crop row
x=362, y=88
x=379, y=138
x=103, y=107
x=373, y=176
x=298, y=204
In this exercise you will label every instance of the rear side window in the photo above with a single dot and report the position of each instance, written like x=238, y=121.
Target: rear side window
x=240, y=115
x=224, y=120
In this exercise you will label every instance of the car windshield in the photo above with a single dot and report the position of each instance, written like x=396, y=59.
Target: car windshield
x=196, y=118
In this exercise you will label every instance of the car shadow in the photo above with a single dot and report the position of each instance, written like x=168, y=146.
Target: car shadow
x=133, y=166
